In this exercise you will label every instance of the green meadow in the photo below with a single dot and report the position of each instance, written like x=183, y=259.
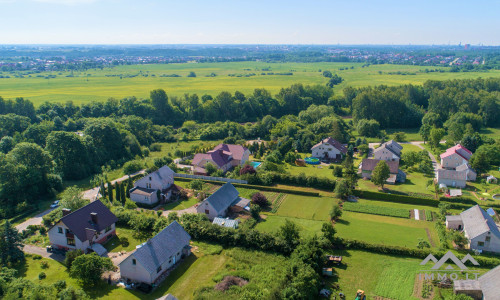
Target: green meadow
x=139, y=80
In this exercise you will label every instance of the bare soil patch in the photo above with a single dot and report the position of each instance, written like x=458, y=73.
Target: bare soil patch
x=229, y=281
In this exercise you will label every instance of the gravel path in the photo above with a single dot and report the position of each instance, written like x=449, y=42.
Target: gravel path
x=36, y=220
x=43, y=252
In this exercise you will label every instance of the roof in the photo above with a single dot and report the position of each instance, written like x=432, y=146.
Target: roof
x=220, y=158
x=455, y=192
x=332, y=142
x=79, y=221
x=384, y=147
x=99, y=249
x=489, y=284
x=223, y=197
x=167, y=297
x=162, y=246
x=142, y=191
x=466, y=285
x=237, y=151
x=458, y=149
x=368, y=164
x=392, y=146
x=163, y=175
x=491, y=177
x=477, y=222
x=225, y=222
x=454, y=218
x=464, y=167
x=451, y=174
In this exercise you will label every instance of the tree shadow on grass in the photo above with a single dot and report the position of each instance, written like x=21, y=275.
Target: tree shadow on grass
x=343, y=222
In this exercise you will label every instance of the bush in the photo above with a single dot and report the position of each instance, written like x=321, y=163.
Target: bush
x=260, y=200
x=196, y=184
x=42, y=275
x=71, y=256
x=37, y=257
x=155, y=147
x=124, y=241
x=132, y=166
x=44, y=264
x=337, y=171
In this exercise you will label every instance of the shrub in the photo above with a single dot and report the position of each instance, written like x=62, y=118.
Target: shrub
x=37, y=257
x=132, y=166
x=155, y=147
x=337, y=171
x=196, y=184
x=247, y=169
x=260, y=200
x=42, y=275
x=395, y=198
x=124, y=241
x=71, y=256
x=377, y=210
x=44, y=264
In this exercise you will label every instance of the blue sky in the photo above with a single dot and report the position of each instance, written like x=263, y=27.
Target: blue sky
x=252, y=22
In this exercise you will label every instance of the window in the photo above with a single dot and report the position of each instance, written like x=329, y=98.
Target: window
x=488, y=238
x=134, y=262
x=480, y=244
x=108, y=228
x=207, y=211
x=68, y=231
x=178, y=253
x=59, y=229
x=158, y=270
x=70, y=241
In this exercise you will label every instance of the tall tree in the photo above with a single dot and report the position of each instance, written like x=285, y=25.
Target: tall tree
x=73, y=198
x=10, y=245
x=118, y=193
x=380, y=173
x=163, y=110
x=88, y=268
x=110, y=192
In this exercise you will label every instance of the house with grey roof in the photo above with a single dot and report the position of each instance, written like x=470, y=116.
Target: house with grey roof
x=395, y=174
x=479, y=228
x=85, y=229
x=329, y=149
x=154, y=187
x=451, y=178
x=485, y=288
x=388, y=151
x=152, y=259
x=217, y=204
x=469, y=172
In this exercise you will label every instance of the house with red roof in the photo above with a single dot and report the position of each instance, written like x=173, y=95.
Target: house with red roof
x=329, y=149
x=455, y=156
x=223, y=156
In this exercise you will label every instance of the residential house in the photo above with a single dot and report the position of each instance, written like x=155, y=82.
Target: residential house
x=388, y=151
x=85, y=229
x=225, y=222
x=158, y=183
x=469, y=172
x=151, y=260
x=451, y=178
x=223, y=156
x=485, y=288
x=479, y=228
x=217, y=204
x=329, y=149
x=455, y=156
x=368, y=165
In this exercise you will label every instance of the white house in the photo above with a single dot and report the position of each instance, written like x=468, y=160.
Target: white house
x=217, y=204
x=388, y=151
x=455, y=156
x=152, y=259
x=84, y=229
x=145, y=190
x=479, y=228
x=329, y=149
x=469, y=172
x=451, y=178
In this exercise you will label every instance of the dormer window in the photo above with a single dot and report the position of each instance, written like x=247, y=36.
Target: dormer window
x=149, y=178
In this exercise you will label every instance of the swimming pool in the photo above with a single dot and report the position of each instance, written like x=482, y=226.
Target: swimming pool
x=255, y=164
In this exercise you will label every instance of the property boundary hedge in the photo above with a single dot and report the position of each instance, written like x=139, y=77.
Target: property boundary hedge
x=258, y=187
x=395, y=198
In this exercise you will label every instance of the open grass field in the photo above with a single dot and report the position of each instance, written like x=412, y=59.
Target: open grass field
x=385, y=230
x=312, y=208
x=307, y=228
x=139, y=80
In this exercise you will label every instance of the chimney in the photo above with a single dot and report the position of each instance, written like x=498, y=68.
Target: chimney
x=66, y=211
x=93, y=217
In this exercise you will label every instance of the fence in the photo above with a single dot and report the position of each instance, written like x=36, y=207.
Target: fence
x=211, y=178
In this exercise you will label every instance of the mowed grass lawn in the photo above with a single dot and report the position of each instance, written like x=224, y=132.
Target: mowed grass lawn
x=306, y=207
x=385, y=230
x=94, y=85
x=307, y=228
x=114, y=245
x=415, y=183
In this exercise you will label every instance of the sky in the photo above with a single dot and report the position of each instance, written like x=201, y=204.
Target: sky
x=400, y=22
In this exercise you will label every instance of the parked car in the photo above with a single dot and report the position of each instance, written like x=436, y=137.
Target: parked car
x=55, y=204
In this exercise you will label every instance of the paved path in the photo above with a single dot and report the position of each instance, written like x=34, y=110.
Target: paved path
x=93, y=193
x=189, y=210
x=36, y=220
x=43, y=252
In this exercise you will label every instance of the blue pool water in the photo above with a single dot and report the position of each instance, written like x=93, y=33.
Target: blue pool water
x=255, y=164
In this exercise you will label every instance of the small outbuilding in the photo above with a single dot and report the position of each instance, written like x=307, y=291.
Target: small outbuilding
x=491, y=179
x=471, y=288
x=225, y=222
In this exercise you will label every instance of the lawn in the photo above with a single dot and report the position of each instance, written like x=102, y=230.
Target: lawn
x=307, y=227
x=305, y=207
x=94, y=85
x=410, y=147
x=310, y=170
x=415, y=183
x=181, y=204
x=114, y=244
x=385, y=230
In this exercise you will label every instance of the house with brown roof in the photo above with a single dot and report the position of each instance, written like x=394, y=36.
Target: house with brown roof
x=368, y=165
x=329, y=149
x=223, y=156
x=158, y=183
x=85, y=229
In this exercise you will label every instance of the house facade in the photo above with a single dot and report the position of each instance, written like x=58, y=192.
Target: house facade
x=159, y=182
x=84, y=228
x=471, y=175
x=451, y=178
x=368, y=165
x=455, y=156
x=151, y=260
x=388, y=151
x=217, y=204
x=223, y=156
x=329, y=149
x=479, y=228
x=485, y=287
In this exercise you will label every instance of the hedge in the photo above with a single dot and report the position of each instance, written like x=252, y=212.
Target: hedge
x=257, y=187
x=377, y=210
x=395, y=198
x=489, y=262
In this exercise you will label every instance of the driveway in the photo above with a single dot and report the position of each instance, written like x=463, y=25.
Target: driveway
x=43, y=252
x=36, y=220
x=93, y=193
x=189, y=210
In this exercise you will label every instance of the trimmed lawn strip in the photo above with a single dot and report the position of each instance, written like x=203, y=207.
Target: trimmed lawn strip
x=377, y=210
x=307, y=228
x=313, y=208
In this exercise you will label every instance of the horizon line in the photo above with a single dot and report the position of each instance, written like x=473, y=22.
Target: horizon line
x=238, y=44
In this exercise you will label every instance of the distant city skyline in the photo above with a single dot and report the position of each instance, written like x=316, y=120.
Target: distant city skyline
x=319, y=22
